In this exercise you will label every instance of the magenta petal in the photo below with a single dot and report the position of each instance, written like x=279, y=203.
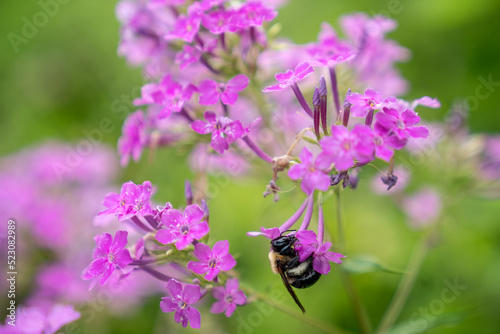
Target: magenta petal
x=208, y=99
x=200, y=230
x=227, y=262
x=297, y=171
x=211, y=273
x=305, y=156
x=418, y=132
x=104, y=243
x=229, y=98
x=238, y=83
x=166, y=237
x=230, y=309
x=232, y=285
x=323, y=160
x=210, y=117
x=234, y=130
x=192, y=293
x=272, y=88
x=167, y=304
x=284, y=76
x=409, y=117
x=202, y=127
x=219, y=143
x=123, y=258
x=98, y=266
x=183, y=242
x=193, y=214
x=220, y=248
x=194, y=317
x=61, y=315
x=384, y=153
x=172, y=218
x=344, y=161
x=119, y=242
x=175, y=288
x=202, y=252
x=239, y=298
x=333, y=257
x=318, y=180
x=321, y=265
x=107, y=274
x=218, y=306
x=219, y=292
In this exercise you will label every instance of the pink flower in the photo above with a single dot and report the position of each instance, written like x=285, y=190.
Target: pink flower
x=329, y=50
x=308, y=245
x=34, y=320
x=224, y=130
x=218, y=21
x=290, y=77
x=133, y=200
x=168, y=93
x=423, y=207
x=312, y=176
x=340, y=148
x=252, y=14
x=212, y=262
x=362, y=103
x=376, y=141
x=402, y=125
x=211, y=91
x=180, y=302
x=227, y=297
x=133, y=138
x=182, y=229
x=186, y=27
x=270, y=233
x=109, y=255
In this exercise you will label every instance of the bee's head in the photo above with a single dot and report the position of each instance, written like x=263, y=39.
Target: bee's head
x=283, y=243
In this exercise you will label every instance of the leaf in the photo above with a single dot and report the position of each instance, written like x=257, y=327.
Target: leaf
x=362, y=264
x=310, y=140
x=422, y=323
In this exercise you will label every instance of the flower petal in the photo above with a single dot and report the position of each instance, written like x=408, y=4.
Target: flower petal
x=202, y=252
x=191, y=293
x=175, y=288
x=218, y=307
x=168, y=304
x=194, y=317
x=200, y=230
x=227, y=262
x=167, y=237
x=220, y=248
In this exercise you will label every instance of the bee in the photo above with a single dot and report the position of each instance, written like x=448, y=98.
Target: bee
x=285, y=261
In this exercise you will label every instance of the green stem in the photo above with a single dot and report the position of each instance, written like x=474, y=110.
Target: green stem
x=405, y=286
x=356, y=303
x=327, y=328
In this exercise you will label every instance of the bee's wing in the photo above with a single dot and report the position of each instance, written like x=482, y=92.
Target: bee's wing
x=289, y=288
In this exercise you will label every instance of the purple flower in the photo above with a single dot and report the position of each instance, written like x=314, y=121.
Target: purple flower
x=423, y=207
x=227, y=297
x=376, y=141
x=252, y=14
x=402, y=125
x=133, y=138
x=109, y=255
x=133, y=200
x=312, y=176
x=180, y=302
x=182, y=229
x=270, y=233
x=329, y=50
x=426, y=101
x=188, y=55
x=288, y=78
x=361, y=104
x=218, y=21
x=186, y=27
x=340, y=148
x=211, y=91
x=168, y=93
x=212, y=261
x=34, y=320
x=224, y=130
x=308, y=245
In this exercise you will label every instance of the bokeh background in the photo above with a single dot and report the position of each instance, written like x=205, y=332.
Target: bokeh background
x=67, y=77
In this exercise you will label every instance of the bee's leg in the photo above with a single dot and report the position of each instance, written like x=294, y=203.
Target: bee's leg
x=294, y=262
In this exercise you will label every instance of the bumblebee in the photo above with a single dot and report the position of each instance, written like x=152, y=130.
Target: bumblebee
x=285, y=261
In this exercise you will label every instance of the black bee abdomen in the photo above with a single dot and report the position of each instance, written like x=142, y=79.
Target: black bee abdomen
x=306, y=280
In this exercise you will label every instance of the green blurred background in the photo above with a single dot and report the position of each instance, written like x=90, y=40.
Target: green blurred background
x=67, y=77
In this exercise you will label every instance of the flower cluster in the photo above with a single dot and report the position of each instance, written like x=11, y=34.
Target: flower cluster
x=167, y=236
